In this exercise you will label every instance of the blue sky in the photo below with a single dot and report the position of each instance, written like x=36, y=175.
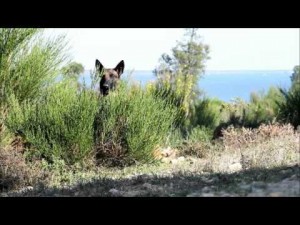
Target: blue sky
x=140, y=48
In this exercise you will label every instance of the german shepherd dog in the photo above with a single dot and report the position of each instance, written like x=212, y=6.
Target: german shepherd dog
x=109, y=77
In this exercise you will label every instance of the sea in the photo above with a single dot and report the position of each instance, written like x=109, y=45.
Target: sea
x=225, y=85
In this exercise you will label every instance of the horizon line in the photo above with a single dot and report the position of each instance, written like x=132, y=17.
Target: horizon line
x=218, y=70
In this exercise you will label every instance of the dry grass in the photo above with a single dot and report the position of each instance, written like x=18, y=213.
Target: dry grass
x=243, y=157
x=241, y=137
x=268, y=146
x=15, y=172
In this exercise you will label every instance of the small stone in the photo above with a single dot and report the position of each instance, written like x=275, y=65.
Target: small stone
x=208, y=195
x=257, y=194
x=235, y=167
x=147, y=185
x=275, y=194
x=114, y=192
x=174, y=161
x=166, y=160
x=132, y=194
x=225, y=194
x=180, y=159
x=195, y=194
x=259, y=184
x=206, y=189
x=245, y=187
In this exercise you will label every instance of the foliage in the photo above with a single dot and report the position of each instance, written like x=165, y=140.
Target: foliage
x=178, y=75
x=73, y=70
x=59, y=124
x=295, y=78
x=207, y=113
x=290, y=106
x=131, y=122
x=28, y=62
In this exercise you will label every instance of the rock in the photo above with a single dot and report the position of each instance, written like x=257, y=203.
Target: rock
x=114, y=192
x=166, y=160
x=169, y=152
x=180, y=159
x=195, y=194
x=132, y=194
x=235, y=167
x=225, y=194
x=259, y=184
x=275, y=194
x=25, y=189
x=208, y=195
x=206, y=189
x=147, y=185
x=257, y=194
x=245, y=186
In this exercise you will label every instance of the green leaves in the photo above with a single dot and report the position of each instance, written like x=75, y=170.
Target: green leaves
x=28, y=62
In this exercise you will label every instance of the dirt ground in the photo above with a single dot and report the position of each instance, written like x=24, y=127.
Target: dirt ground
x=184, y=178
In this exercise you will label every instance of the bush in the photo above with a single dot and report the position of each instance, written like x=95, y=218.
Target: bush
x=58, y=124
x=197, y=143
x=28, y=62
x=242, y=137
x=175, y=90
x=131, y=123
x=262, y=108
x=290, y=107
x=207, y=113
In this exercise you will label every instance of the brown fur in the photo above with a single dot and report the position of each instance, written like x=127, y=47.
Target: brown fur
x=109, y=77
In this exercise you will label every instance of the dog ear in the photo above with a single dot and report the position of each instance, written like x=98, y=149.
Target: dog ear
x=120, y=68
x=99, y=66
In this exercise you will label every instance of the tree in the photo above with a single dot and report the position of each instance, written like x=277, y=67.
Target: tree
x=73, y=70
x=178, y=75
x=188, y=57
x=290, y=107
x=295, y=78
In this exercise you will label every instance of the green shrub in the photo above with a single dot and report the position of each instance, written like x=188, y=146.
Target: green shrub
x=28, y=62
x=207, y=113
x=200, y=134
x=131, y=123
x=262, y=107
x=290, y=107
x=58, y=124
